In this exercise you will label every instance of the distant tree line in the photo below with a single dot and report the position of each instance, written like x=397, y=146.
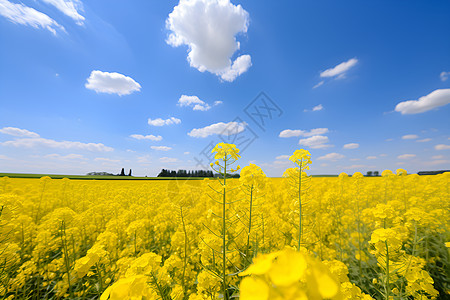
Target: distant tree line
x=122, y=173
x=192, y=173
x=432, y=172
x=184, y=173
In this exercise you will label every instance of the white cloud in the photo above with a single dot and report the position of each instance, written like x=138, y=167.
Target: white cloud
x=444, y=76
x=107, y=160
x=410, y=137
x=14, y=131
x=319, y=84
x=435, y=99
x=331, y=156
x=340, y=69
x=150, y=137
x=355, y=159
x=371, y=157
x=4, y=157
x=389, y=140
x=282, y=157
x=24, y=15
x=70, y=8
x=65, y=157
x=48, y=143
x=168, y=159
x=358, y=167
x=229, y=128
x=351, y=146
x=111, y=83
x=195, y=103
x=442, y=147
x=383, y=155
x=315, y=108
x=161, y=148
x=318, y=107
x=161, y=122
x=315, y=142
x=187, y=153
x=304, y=133
x=424, y=140
x=208, y=28
x=438, y=157
x=406, y=156
x=239, y=67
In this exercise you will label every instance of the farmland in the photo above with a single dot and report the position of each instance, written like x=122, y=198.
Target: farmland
x=295, y=237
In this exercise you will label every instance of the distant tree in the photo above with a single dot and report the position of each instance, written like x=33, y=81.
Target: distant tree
x=122, y=173
x=369, y=173
x=129, y=174
x=376, y=173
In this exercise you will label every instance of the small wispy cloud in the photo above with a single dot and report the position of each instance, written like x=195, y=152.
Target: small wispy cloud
x=161, y=148
x=351, y=146
x=150, y=137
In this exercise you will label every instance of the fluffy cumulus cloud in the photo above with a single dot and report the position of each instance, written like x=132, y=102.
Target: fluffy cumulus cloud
x=222, y=128
x=161, y=148
x=351, y=146
x=14, y=131
x=48, y=143
x=371, y=157
x=410, y=137
x=150, y=137
x=435, y=99
x=111, y=83
x=70, y=8
x=444, y=75
x=315, y=142
x=340, y=69
x=195, y=103
x=442, y=147
x=331, y=156
x=406, y=156
x=304, y=133
x=209, y=29
x=19, y=13
x=162, y=122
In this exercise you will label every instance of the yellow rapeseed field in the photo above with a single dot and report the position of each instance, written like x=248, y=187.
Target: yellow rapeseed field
x=254, y=237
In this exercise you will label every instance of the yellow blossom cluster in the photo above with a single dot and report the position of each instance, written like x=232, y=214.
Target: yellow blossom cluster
x=295, y=237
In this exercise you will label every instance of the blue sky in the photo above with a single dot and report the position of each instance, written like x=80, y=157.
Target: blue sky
x=100, y=85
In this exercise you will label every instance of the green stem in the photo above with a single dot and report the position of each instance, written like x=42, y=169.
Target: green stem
x=300, y=229
x=100, y=291
x=224, y=232
x=387, y=288
x=185, y=254
x=249, y=223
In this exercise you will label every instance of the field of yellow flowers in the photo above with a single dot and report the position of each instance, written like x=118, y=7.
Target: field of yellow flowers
x=254, y=237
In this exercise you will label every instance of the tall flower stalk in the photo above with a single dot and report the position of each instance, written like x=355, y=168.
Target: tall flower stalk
x=225, y=156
